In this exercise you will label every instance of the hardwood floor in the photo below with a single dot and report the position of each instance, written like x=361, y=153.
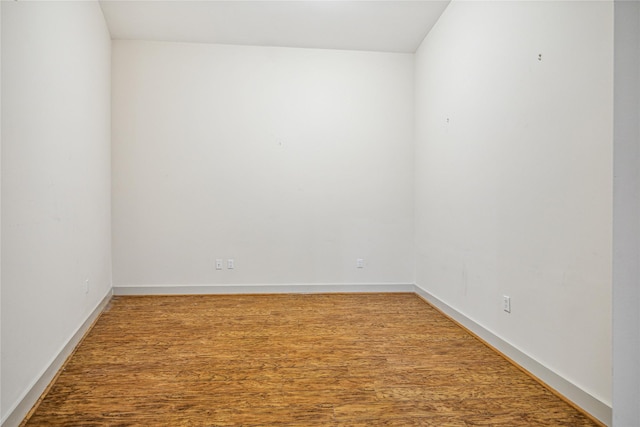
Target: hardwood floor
x=290, y=360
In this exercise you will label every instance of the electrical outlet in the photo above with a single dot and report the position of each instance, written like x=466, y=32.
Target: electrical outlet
x=86, y=286
x=230, y=264
x=218, y=264
x=506, y=303
x=359, y=263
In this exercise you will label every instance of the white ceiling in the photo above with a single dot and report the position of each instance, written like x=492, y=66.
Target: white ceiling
x=386, y=26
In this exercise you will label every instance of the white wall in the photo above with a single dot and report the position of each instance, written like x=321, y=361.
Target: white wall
x=0, y=200
x=626, y=220
x=55, y=182
x=293, y=162
x=514, y=177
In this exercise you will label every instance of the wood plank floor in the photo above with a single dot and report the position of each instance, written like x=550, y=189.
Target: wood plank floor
x=290, y=360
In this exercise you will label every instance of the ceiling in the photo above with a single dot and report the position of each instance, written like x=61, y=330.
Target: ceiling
x=386, y=26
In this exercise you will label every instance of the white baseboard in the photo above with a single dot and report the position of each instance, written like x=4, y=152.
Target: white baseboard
x=568, y=390
x=16, y=414
x=302, y=288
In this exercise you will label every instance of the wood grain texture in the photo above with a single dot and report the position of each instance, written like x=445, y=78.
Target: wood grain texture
x=290, y=360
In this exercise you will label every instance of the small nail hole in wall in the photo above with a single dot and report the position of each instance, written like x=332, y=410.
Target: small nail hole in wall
x=539, y=57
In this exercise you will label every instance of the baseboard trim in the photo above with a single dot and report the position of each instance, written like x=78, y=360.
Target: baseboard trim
x=262, y=289
x=16, y=415
x=575, y=396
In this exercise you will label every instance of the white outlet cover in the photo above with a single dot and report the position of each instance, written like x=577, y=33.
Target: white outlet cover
x=506, y=303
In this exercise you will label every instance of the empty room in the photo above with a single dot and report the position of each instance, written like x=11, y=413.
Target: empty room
x=320, y=213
